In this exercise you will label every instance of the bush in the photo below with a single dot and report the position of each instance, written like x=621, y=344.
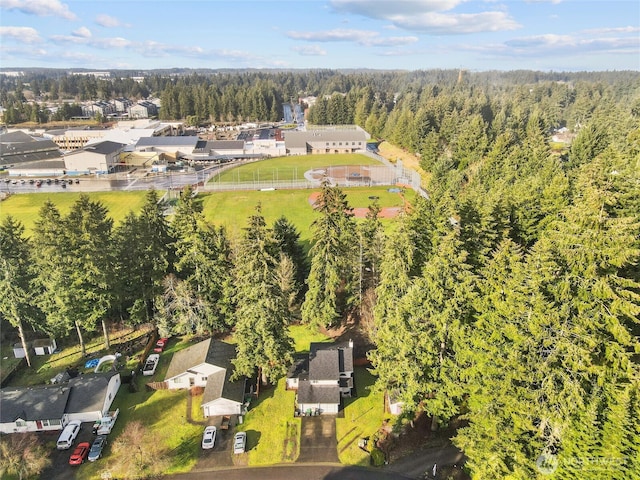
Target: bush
x=377, y=457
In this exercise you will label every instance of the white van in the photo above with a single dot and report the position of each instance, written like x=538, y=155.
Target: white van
x=68, y=435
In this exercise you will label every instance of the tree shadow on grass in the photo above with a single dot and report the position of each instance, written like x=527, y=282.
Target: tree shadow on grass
x=253, y=438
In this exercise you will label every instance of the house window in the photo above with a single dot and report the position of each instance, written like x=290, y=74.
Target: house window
x=340, y=143
x=204, y=379
x=21, y=423
x=50, y=423
x=178, y=380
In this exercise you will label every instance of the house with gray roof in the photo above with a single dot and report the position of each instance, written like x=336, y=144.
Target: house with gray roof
x=322, y=378
x=91, y=396
x=33, y=409
x=86, y=398
x=207, y=364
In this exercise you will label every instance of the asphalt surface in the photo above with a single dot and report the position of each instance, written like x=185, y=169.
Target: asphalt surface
x=318, y=440
x=114, y=181
x=60, y=468
x=293, y=472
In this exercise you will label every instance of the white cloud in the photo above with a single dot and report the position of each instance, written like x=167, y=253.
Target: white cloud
x=22, y=34
x=310, y=50
x=429, y=16
x=553, y=45
x=82, y=32
x=41, y=8
x=460, y=23
x=108, y=21
x=608, y=30
x=366, y=38
x=102, y=43
x=382, y=8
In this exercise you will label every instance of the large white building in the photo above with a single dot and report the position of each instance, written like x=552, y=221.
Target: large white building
x=97, y=158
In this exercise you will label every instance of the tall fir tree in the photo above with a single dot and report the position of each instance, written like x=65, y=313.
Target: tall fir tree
x=262, y=313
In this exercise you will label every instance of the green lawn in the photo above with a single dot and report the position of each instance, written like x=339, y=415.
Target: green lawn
x=290, y=168
x=363, y=416
x=26, y=207
x=273, y=433
x=303, y=336
x=45, y=367
x=164, y=413
x=231, y=209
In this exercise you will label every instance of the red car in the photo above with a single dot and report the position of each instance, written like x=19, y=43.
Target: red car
x=79, y=455
x=160, y=344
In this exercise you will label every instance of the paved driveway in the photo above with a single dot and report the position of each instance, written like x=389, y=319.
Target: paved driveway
x=318, y=442
x=221, y=453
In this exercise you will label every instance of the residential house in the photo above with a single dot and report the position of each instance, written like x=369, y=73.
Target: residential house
x=91, y=396
x=33, y=409
x=207, y=364
x=49, y=407
x=323, y=378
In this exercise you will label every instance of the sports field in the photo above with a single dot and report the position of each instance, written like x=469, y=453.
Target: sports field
x=230, y=208
x=289, y=168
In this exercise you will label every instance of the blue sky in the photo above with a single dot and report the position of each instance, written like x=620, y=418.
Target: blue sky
x=558, y=35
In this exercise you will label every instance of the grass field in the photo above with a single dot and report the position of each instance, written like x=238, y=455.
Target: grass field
x=231, y=209
x=26, y=207
x=290, y=168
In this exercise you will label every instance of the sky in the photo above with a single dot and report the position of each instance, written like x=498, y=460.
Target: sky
x=546, y=35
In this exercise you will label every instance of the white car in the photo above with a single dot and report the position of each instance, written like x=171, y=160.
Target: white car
x=151, y=364
x=68, y=435
x=209, y=437
x=239, y=442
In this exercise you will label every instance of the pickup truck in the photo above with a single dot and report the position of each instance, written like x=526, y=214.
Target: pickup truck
x=151, y=364
x=105, y=424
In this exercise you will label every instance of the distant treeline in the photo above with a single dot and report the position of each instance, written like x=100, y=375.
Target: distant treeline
x=257, y=95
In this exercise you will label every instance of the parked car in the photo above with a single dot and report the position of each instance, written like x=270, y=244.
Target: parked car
x=68, y=435
x=239, y=442
x=160, y=344
x=151, y=364
x=209, y=437
x=79, y=455
x=96, y=448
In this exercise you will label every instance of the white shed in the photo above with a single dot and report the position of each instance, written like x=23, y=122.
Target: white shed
x=44, y=346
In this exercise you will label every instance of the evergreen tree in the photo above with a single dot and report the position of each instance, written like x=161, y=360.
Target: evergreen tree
x=333, y=259
x=16, y=278
x=261, y=307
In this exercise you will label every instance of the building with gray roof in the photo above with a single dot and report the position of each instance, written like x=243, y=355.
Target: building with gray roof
x=49, y=407
x=322, y=379
x=208, y=364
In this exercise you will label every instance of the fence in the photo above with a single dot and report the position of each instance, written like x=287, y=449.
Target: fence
x=342, y=176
